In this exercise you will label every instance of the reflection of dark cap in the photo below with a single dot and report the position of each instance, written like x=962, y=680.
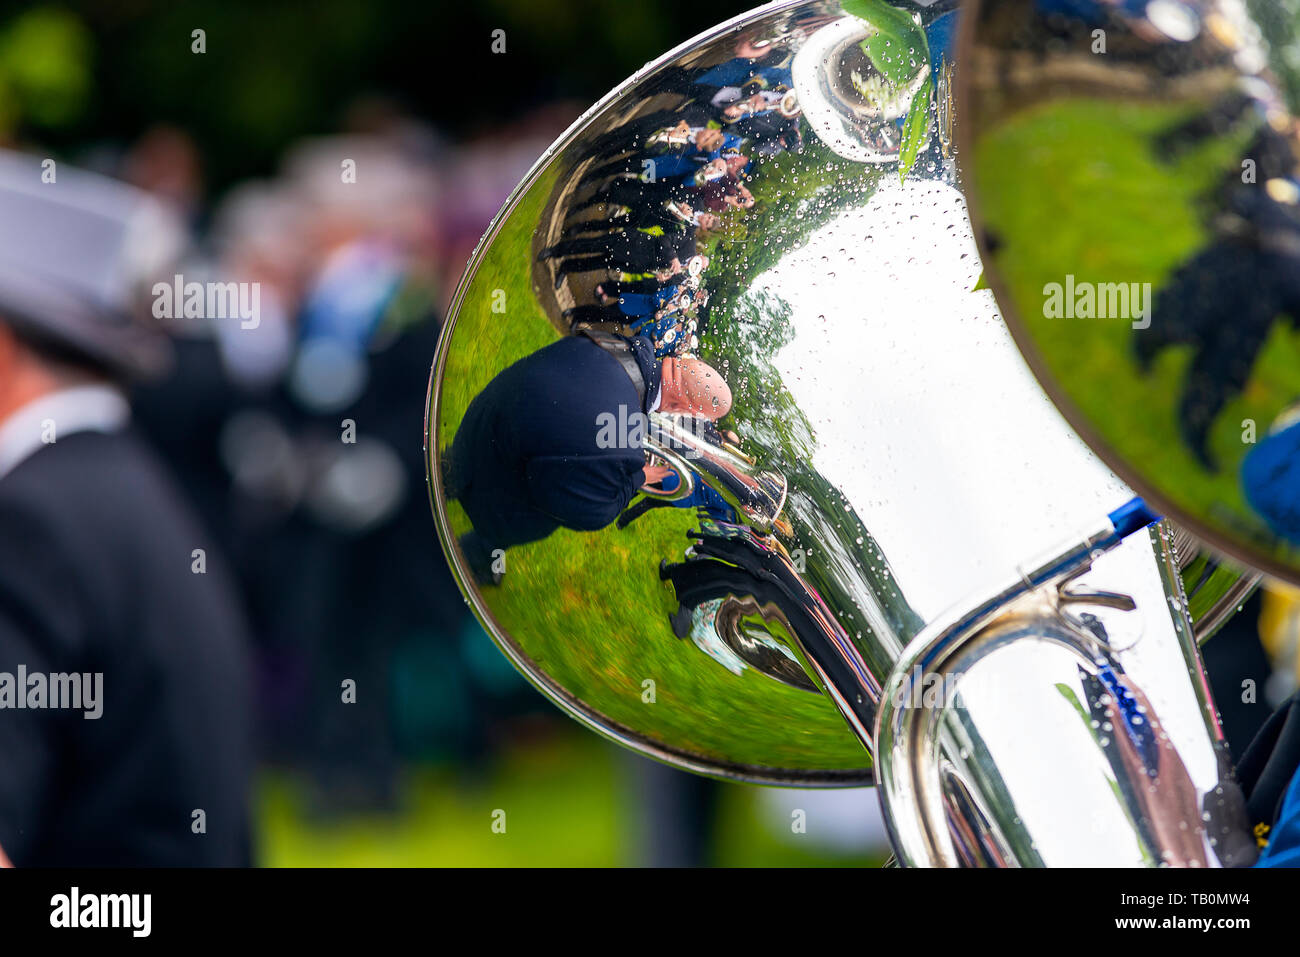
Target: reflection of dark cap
x=76, y=255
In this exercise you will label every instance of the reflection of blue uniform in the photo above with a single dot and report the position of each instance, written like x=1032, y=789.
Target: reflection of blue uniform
x=707, y=501
x=1093, y=11
x=1131, y=720
x=941, y=37
x=527, y=457
x=658, y=329
x=687, y=163
x=646, y=303
x=731, y=143
x=1270, y=479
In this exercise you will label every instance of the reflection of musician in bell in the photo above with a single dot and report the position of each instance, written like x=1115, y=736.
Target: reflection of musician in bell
x=530, y=455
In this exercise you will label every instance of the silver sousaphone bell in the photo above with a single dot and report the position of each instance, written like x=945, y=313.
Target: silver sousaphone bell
x=883, y=556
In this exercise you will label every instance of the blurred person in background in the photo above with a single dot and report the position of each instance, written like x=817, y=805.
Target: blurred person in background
x=105, y=575
x=304, y=433
x=299, y=429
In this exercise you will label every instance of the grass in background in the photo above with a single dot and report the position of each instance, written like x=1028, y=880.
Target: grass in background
x=589, y=608
x=1078, y=187
x=560, y=797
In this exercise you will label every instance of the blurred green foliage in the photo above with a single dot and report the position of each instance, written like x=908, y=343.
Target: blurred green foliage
x=92, y=71
x=46, y=56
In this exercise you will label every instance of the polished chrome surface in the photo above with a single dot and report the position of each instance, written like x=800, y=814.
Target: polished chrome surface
x=1216, y=587
x=1039, y=706
x=880, y=460
x=1134, y=174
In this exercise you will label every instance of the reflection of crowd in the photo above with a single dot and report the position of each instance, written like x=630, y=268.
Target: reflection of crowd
x=659, y=185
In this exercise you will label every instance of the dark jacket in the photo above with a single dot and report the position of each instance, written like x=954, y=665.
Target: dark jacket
x=96, y=575
x=527, y=458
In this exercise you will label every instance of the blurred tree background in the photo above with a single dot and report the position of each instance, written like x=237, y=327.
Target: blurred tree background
x=273, y=72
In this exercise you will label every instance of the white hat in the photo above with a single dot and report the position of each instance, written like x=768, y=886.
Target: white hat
x=76, y=249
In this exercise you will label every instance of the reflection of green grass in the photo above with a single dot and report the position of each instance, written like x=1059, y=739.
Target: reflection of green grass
x=589, y=607
x=1077, y=187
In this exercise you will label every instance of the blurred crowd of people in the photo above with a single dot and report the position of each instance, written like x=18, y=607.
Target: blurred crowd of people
x=299, y=436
